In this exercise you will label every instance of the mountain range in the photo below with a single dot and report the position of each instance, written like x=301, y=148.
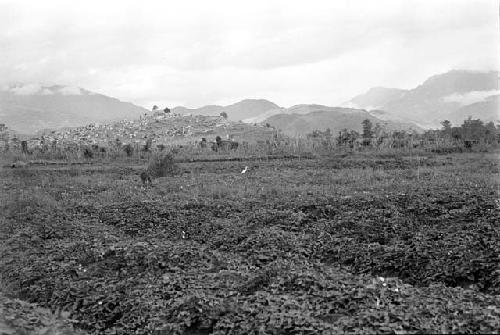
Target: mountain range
x=334, y=118
x=297, y=120
x=236, y=112
x=27, y=108
x=454, y=96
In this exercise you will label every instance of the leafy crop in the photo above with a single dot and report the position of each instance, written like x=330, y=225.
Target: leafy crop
x=293, y=247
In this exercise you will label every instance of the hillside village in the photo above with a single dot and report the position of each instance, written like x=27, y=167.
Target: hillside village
x=158, y=127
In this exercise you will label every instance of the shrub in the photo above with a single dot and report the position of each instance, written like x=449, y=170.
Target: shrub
x=129, y=150
x=162, y=166
x=148, y=145
x=88, y=153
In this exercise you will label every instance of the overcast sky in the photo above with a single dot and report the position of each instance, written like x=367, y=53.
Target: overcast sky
x=194, y=53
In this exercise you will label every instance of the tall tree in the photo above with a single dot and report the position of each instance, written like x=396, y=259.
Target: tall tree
x=446, y=127
x=367, y=129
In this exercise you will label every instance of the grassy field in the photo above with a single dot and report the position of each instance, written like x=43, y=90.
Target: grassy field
x=357, y=243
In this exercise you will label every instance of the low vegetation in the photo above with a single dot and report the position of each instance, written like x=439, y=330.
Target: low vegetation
x=312, y=239
x=19, y=317
x=162, y=165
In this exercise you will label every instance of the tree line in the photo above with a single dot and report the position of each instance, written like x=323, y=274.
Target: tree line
x=470, y=133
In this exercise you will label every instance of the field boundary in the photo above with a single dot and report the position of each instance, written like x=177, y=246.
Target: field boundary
x=239, y=159
x=182, y=161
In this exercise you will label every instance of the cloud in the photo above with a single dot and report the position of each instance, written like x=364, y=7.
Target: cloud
x=70, y=90
x=38, y=89
x=470, y=97
x=198, y=52
x=46, y=91
x=26, y=89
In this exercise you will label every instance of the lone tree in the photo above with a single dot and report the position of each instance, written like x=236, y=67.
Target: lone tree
x=367, y=129
x=166, y=110
x=446, y=127
x=155, y=107
x=24, y=147
x=224, y=115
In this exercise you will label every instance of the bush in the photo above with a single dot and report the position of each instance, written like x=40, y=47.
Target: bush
x=129, y=150
x=88, y=153
x=147, y=146
x=162, y=166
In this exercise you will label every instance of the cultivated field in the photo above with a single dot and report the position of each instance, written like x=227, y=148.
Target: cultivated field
x=358, y=243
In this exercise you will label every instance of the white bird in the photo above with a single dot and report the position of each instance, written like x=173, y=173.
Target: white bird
x=184, y=234
x=244, y=170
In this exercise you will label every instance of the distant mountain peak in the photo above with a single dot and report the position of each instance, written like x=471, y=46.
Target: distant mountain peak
x=384, y=89
x=30, y=107
x=241, y=110
x=376, y=97
x=456, y=81
x=256, y=101
x=334, y=118
x=436, y=99
x=313, y=106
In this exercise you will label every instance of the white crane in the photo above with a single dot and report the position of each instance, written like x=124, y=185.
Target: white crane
x=244, y=170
